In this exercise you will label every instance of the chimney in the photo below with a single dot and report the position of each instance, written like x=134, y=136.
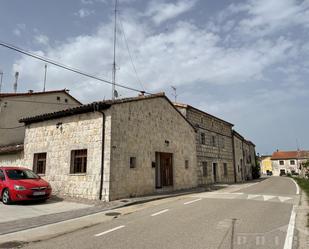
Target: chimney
x=16, y=80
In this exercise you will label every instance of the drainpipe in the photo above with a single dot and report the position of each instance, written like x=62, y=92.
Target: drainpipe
x=102, y=158
x=234, y=162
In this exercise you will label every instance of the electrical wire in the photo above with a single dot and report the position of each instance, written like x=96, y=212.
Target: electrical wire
x=11, y=128
x=130, y=55
x=38, y=102
x=45, y=59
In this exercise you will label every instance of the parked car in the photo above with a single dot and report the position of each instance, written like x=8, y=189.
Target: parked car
x=21, y=184
x=269, y=173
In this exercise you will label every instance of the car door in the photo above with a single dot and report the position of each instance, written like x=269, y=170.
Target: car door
x=2, y=178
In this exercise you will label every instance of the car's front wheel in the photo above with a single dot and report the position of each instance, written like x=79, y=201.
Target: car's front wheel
x=6, y=197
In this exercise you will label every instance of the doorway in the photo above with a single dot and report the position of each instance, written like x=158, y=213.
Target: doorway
x=164, y=169
x=214, y=168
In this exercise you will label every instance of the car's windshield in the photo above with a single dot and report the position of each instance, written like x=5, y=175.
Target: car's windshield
x=18, y=174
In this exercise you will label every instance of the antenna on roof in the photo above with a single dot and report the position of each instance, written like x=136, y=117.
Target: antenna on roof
x=114, y=94
x=16, y=81
x=1, y=77
x=45, y=77
x=175, y=93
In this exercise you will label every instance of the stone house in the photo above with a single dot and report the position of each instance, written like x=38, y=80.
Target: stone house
x=284, y=162
x=14, y=106
x=249, y=159
x=214, y=146
x=113, y=149
x=238, y=141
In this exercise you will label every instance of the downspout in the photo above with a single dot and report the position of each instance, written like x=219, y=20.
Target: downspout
x=102, y=156
x=234, y=162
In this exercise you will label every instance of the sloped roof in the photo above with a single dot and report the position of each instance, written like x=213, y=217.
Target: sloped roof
x=96, y=106
x=9, y=149
x=30, y=93
x=191, y=107
x=290, y=155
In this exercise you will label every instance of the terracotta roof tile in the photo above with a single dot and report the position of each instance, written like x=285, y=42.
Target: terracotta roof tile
x=11, y=148
x=289, y=155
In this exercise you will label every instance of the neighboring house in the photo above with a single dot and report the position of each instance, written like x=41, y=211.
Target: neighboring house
x=14, y=106
x=266, y=165
x=115, y=149
x=249, y=159
x=214, y=146
x=238, y=141
x=284, y=162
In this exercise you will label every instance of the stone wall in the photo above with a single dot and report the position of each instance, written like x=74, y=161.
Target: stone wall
x=83, y=131
x=239, y=158
x=140, y=129
x=219, y=151
x=14, y=159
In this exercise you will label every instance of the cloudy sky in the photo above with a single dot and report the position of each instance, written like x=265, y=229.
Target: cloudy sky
x=244, y=61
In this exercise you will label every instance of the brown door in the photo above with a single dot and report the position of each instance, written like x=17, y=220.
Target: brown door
x=215, y=171
x=166, y=161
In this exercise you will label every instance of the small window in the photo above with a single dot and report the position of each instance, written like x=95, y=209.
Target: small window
x=186, y=164
x=292, y=162
x=213, y=141
x=203, y=140
x=66, y=100
x=281, y=162
x=132, y=162
x=39, y=163
x=204, y=164
x=202, y=120
x=238, y=168
x=222, y=143
x=58, y=98
x=225, y=169
x=78, y=161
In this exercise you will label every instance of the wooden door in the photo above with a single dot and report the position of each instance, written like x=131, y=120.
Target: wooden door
x=166, y=162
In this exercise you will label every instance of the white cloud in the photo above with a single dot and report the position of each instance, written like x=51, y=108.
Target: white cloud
x=41, y=39
x=82, y=13
x=20, y=27
x=162, y=11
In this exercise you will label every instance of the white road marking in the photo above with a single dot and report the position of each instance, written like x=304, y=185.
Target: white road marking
x=253, y=196
x=283, y=199
x=109, y=231
x=297, y=187
x=268, y=197
x=161, y=212
x=290, y=232
x=189, y=202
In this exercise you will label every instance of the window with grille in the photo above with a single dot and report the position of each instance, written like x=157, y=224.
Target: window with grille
x=213, y=141
x=78, y=161
x=225, y=169
x=204, y=164
x=39, y=163
x=203, y=140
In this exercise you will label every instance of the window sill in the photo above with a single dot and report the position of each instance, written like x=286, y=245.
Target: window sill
x=77, y=174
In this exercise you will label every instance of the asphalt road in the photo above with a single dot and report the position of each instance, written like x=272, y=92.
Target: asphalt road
x=253, y=217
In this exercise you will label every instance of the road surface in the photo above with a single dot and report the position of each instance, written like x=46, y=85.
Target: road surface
x=257, y=216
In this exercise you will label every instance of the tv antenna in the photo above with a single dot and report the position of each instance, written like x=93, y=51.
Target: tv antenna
x=114, y=92
x=45, y=77
x=1, y=78
x=175, y=93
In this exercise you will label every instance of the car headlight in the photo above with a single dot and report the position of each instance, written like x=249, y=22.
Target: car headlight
x=18, y=187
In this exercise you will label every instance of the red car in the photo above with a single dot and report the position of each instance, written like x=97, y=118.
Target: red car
x=22, y=184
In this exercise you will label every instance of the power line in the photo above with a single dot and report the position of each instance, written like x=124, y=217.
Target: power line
x=129, y=52
x=11, y=128
x=45, y=59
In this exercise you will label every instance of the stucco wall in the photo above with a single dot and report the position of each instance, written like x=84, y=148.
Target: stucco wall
x=14, y=108
x=288, y=167
x=82, y=131
x=140, y=129
x=14, y=159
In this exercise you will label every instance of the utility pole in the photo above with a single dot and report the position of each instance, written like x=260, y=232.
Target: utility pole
x=45, y=77
x=1, y=78
x=114, y=61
